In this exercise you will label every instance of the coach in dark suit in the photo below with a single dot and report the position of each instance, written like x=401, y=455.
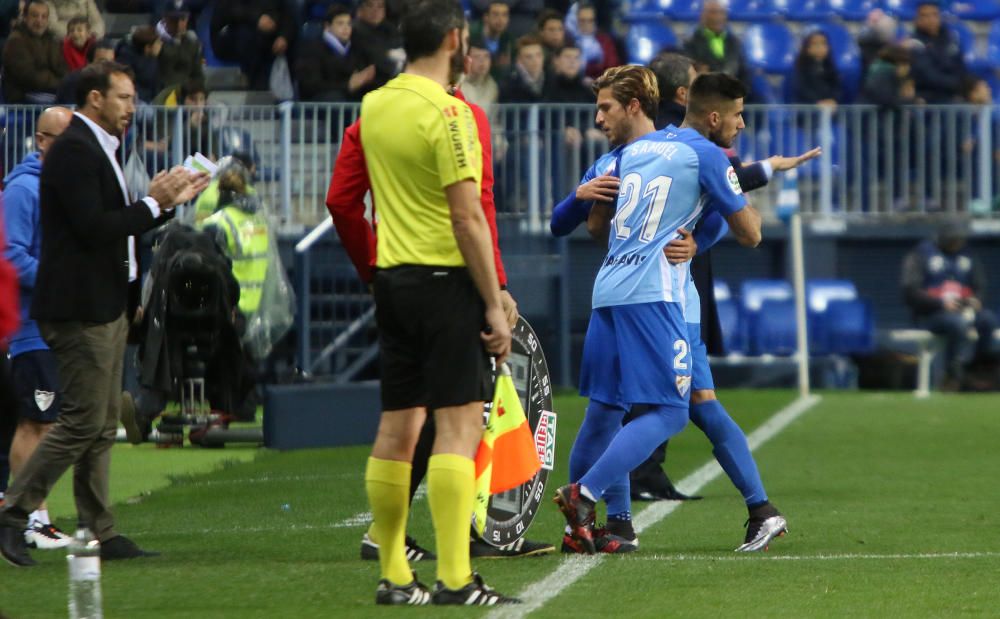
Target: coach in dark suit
x=87, y=265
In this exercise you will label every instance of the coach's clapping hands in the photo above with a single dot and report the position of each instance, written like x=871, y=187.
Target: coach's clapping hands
x=177, y=186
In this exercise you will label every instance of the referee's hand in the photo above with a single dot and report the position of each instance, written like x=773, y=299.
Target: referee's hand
x=496, y=334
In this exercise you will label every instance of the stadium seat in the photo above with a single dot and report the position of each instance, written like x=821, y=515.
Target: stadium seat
x=754, y=293
x=721, y=291
x=820, y=292
x=901, y=9
x=729, y=321
x=681, y=10
x=203, y=30
x=967, y=43
x=770, y=46
x=761, y=90
x=993, y=41
x=854, y=10
x=810, y=10
x=755, y=10
x=773, y=331
x=846, y=56
x=646, y=39
x=850, y=327
x=976, y=10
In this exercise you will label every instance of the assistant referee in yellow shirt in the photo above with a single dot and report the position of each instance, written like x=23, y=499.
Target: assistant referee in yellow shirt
x=437, y=303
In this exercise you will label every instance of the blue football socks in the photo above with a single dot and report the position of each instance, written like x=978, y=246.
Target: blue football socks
x=729, y=445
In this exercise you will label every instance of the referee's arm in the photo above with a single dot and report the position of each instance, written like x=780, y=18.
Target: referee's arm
x=472, y=234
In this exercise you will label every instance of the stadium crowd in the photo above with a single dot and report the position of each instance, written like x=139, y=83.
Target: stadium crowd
x=528, y=50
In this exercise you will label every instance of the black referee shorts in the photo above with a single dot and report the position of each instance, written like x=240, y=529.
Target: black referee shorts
x=429, y=321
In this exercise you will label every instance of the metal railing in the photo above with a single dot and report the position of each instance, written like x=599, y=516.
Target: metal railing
x=920, y=159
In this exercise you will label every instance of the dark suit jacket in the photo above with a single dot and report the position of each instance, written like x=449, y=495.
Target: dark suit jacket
x=83, y=268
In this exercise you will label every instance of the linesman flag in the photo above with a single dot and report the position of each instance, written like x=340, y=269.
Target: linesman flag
x=506, y=457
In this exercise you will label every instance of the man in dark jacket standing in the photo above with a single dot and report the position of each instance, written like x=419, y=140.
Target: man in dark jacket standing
x=378, y=41
x=33, y=63
x=181, y=58
x=87, y=265
x=938, y=68
x=252, y=33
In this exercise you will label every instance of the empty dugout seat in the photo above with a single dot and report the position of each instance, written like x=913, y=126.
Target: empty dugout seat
x=774, y=331
x=850, y=327
x=854, y=10
x=770, y=47
x=754, y=293
x=729, y=318
x=646, y=39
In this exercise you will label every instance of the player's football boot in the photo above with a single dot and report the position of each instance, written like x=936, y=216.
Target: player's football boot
x=479, y=549
x=413, y=594
x=579, y=513
x=45, y=537
x=616, y=537
x=476, y=593
x=763, y=525
x=414, y=551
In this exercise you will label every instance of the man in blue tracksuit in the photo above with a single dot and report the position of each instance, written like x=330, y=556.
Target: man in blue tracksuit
x=33, y=366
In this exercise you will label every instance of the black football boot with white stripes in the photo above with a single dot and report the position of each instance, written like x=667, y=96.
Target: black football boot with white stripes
x=476, y=593
x=414, y=594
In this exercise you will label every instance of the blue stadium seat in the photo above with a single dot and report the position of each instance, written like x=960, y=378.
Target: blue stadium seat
x=976, y=10
x=850, y=327
x=681, y=10
x=773, y=330
x=646, y=39
x=810, y=10
x=854, y=10
x=820, y=292
x=902, y=9
x=967, y=43
x=729, y=321
x=756, y=10
x=770, y=46
x=761, y=89
x=846, y=56
x=993, y=41
x=754, y=293
x=721, y=291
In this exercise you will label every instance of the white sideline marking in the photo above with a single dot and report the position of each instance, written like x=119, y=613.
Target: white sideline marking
x=835, y=557
x=365, y=518
x=576, y=567
x=262, y=479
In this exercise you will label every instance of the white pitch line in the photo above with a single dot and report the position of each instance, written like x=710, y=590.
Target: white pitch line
x=576, y=567
x=833, y=557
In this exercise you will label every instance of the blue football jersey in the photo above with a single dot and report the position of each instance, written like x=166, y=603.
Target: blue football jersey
x=605, y=164
x=668, y=179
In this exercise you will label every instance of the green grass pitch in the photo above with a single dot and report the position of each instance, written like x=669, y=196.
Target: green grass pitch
x=892, y=505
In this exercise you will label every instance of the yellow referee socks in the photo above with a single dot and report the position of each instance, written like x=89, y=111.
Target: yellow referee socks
x=451, y=487
x=388, y=485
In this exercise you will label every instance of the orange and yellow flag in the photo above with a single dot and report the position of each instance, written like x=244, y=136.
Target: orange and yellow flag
x=506, y=457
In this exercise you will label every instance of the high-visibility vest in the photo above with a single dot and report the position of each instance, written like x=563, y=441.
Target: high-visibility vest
x=247, y=245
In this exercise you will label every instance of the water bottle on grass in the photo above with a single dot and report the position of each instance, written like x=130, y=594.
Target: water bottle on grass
x=84, y=558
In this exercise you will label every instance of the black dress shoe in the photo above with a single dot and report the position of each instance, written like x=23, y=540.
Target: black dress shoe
x=13, y=548
x=657, y=488
x=121, y=547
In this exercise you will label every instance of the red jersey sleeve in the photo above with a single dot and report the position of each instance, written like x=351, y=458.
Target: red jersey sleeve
x=486, y=197
x=9, y=288
x=346, y=202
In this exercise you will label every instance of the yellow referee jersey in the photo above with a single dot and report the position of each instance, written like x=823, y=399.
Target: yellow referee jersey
x=417, y=139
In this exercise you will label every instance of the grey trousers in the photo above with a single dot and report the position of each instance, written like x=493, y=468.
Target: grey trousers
x=89, y=357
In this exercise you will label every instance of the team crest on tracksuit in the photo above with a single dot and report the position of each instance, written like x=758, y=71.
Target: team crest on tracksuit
x=44, y=399
x=683, y=385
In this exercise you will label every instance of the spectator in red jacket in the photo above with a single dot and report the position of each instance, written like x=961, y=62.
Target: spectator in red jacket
x=598, y=48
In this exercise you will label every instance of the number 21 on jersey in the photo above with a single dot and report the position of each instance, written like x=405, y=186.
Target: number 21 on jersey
x=654, y=194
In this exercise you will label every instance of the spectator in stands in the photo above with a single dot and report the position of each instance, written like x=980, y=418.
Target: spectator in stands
x=479, y=87
x=181, y=58
x=492, y=32
x=77, y=43
x=878, y=32
x=103, y=50
x=33, y=63
x=888, y=82
x=943, y=285
x=564, y=82
x=527, y=81
x=552, y=34
x=523, y=14
x=378, y=41
x=816, y=79
x=139, y=51
x=62, y=12
x=331, y=69
x=713, y=45
x=598, y=48
x=938, y=68
x=252, y=33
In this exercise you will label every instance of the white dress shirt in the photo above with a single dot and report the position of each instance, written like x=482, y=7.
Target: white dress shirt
x=109, y=144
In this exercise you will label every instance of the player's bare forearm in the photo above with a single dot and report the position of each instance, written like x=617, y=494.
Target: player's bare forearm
x=599, y=222
x=745, y=224
x=472, y=234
